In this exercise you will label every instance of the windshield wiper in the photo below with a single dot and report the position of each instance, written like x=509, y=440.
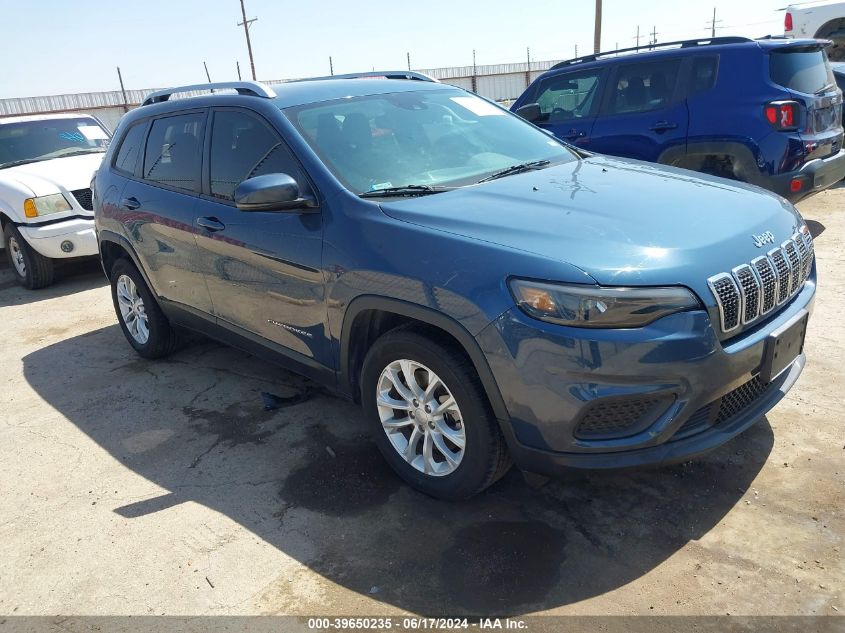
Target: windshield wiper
x=515, y=169
x=405, y=190
x=24, y=161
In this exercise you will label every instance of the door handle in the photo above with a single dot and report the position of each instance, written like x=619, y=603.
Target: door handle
x=210, y=224
x=130, y=203
x=662, y=126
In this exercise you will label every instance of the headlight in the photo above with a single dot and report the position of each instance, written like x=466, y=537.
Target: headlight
x=45, y=205
x=597, y=307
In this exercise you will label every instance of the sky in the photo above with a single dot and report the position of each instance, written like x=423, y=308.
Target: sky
x=63, y=46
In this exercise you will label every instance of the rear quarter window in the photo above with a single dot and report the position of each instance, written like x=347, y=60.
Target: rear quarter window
x=806, y=71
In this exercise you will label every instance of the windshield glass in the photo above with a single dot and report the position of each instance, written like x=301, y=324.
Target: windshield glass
x=427, y=137
x=802, y=71
x=30, y=141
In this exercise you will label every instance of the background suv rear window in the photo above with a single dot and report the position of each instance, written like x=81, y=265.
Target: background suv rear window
x=801, y=71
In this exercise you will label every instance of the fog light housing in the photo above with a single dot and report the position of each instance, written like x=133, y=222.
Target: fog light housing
x=67, y=246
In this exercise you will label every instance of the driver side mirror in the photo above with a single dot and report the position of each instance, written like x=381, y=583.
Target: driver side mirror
x=273, y=192
x=529, y=112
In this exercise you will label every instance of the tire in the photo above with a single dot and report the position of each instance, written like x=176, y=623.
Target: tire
x=32, y=270
x=481, y=461
x=145, y=326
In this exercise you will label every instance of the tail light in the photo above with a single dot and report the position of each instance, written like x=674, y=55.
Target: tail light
x=787, y=22
x=782, y=115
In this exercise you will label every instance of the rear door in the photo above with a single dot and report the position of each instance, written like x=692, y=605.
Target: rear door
x=158, y=207
x=263, y=267
x=644, y=112
x=568, y=104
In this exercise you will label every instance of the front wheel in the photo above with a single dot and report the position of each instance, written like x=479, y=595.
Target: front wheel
x=32, y=270
x=430, y=416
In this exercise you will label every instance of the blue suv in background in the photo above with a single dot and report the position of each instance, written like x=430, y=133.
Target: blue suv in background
x=766, y=111
x=486, y=292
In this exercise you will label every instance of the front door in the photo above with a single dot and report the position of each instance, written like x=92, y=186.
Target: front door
x=263, y=268
x=568, y=104
x=644, y=112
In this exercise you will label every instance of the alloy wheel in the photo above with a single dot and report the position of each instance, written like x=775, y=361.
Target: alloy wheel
x=421, y=418
x=17, y=256
x=132, y=309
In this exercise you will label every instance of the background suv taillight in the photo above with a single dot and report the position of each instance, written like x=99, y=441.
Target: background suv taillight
x=782, y=115
x=787, y=22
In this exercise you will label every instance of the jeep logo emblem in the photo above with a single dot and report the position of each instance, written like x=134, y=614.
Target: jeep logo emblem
x=764, y=238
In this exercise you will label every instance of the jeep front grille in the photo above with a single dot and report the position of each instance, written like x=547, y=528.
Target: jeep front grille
x=751, y=291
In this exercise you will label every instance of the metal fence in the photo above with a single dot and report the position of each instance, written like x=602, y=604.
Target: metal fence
x=501, y=82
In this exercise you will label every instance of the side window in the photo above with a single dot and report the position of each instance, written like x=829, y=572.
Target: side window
x=643, y=87
x=703, y=74
x=566, y=97
x=174, y=151
x=243, y=146
x=131, y=147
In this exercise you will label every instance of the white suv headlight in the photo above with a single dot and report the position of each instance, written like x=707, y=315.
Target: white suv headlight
x=45, y=205
x=600, y=307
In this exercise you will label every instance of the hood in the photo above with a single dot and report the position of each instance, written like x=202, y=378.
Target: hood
x=623, y=222
x=55, y=176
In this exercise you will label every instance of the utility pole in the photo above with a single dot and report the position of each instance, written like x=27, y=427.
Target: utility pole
x=246, y=23
x=597, y=32
x=331, y=66
x=713, y=23
x=576, y=51
x=408, y=55
x=122, y=90
x=638, y=36
x=474, y=73
x=653, y=39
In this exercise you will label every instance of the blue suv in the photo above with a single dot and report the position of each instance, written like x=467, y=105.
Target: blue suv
x=767, y=112
x=486, y=292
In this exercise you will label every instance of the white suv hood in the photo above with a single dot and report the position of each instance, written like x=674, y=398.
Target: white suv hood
x=55, y=176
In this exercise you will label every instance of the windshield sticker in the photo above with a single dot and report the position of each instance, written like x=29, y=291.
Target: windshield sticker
x=93, y=132
x=478, y=106
x=381, y=185
x=73, y=137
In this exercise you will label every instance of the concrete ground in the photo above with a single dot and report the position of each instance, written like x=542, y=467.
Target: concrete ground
x=136, y=487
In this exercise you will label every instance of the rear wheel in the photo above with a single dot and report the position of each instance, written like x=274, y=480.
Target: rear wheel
x=430, y=416
x=141, y=319
x=32, y=270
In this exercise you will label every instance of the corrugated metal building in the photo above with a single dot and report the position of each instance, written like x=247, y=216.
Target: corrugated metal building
x=501, y=82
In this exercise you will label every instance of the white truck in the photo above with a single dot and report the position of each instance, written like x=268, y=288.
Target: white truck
x=46, y=165
x=822, y=20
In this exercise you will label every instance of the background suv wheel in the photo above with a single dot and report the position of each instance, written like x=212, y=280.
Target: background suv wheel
x=31, y=268
x=141, y=319
x=429, y=415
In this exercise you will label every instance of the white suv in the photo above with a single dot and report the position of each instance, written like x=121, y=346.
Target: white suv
x=46, y=166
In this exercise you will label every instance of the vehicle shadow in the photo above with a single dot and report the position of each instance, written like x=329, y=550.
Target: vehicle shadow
x=305, y=477
x=70, y=277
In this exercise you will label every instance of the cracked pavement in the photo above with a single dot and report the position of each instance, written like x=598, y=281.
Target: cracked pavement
x=137, y=487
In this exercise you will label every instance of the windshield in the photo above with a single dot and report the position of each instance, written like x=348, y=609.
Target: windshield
x=427, y=137
x=30, y=141
x=802, y=71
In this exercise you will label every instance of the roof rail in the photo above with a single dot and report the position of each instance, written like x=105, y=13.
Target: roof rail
x=252, y=88
x=709, y=41
x=378, y=74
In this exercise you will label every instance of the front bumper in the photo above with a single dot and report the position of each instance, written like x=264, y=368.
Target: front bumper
x=815, y=175
x=47, y=239
x=704, y=392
